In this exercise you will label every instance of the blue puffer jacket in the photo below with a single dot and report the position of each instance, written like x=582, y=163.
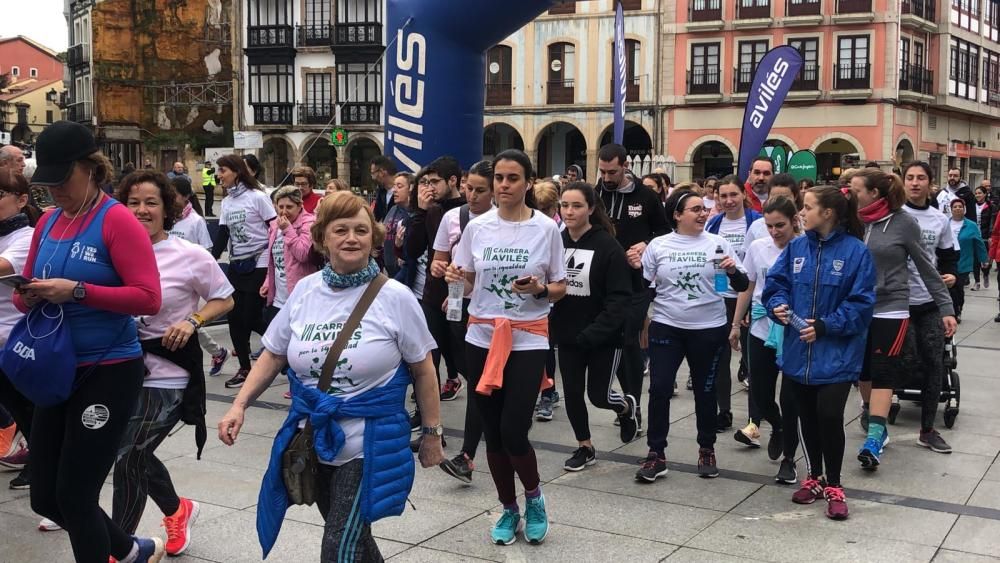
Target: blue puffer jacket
x=388, y=463
x=833, y=281
x=715, y=222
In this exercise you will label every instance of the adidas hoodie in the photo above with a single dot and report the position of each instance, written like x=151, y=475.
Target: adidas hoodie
x=598, y=290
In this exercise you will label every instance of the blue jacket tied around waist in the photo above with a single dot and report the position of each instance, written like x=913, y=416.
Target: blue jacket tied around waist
x=388, y=462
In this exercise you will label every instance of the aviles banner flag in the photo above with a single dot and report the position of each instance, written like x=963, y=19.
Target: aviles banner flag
x=621, y=74
x=774, y=77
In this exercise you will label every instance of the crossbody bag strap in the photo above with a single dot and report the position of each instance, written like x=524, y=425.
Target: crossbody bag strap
x=353, y=321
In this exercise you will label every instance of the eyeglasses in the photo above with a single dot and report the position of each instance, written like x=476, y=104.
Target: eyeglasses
x=430, y=181
x=301, y=184
x=697, y=209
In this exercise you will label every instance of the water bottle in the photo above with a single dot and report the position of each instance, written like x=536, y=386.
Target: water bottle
x=456, y=291
x=721, y=279
x=796, y=321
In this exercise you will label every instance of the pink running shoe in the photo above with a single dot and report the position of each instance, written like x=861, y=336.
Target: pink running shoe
x=836, y=503
x=810, y=492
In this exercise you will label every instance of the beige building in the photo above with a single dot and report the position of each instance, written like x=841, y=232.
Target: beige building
x=28, y=106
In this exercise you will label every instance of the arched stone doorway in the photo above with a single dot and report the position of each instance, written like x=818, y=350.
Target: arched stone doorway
x=712, y=158
x=275, y=158
x=636, y=140
x=904, y=152
x=833, y=156
x=322, y=157
x=362, y=151
x=559, y=145
x=498, y=137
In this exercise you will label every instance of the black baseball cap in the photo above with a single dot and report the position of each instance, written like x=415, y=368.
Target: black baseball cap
x=57, y=148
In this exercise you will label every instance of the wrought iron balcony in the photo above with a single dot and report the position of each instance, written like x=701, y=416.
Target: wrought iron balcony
x=316, y=113
x=808, y=78
x=705, y=10
x=361, y=113
x=704, y=81
x=752, y=12
x=272, y=113
x=80, y=112
x=499, y=94
x=561, y=91
x=852, y=76
x=357, y=34
x=916, y=79
x=270, y=36
x=78, y=55
x=313, y=35
x=803, y=8
x=924, y=9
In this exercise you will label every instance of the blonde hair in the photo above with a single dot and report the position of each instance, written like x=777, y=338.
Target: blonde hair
x=343, y=205
x=546, y=195
x=338, y=186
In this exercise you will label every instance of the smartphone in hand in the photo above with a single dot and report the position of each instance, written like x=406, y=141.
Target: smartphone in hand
x=14, y=280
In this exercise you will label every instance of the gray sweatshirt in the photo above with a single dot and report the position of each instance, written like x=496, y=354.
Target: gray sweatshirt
x=891, y=241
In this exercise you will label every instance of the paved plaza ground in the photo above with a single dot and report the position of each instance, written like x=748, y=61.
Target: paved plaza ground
x=921, y=506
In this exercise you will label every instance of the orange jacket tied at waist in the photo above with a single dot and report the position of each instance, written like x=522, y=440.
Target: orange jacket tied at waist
x=500, y=348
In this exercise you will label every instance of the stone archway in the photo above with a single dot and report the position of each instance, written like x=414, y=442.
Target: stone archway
x=321, y=156
x=637, y=140
x=712, y=158
x=559, y=145
x=500, y=136
x=835, y=154
x=276, y=157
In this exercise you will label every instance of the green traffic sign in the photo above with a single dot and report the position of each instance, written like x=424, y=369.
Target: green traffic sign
x=338, y=137
x=803, y=166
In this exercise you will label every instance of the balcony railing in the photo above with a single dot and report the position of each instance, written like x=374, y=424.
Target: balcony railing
x=561, y=91
x=498, y=94
x=80, y=112
x=852, y=76
x=743, y=77
x=78, y=55
x=704, y=81
x=854, y=6
x=361, y=113
x=803, y=8
x=272, y=114
x=993, y=97
x=916, y=79
x=705, y=10
x=318, y=113
x=924, y=9
x=314, y=35
x=752, y=12
x=269, y=36
x=808, y=78
x=358, y=34
x=631, y=89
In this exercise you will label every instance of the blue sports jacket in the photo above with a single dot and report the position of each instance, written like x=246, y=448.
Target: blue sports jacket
x=831, y=280
x=388, y=463
x=715, y=222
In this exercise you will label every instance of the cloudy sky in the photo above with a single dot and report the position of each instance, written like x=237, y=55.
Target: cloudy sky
x=41, y=20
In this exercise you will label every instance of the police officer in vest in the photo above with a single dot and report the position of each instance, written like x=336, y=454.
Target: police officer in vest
x=208, y=184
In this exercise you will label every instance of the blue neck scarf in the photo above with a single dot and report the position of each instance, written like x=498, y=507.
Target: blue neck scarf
x=359, y=278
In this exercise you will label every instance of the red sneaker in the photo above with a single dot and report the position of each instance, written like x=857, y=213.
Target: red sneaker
x=178, y=526
x=810, y=492
x=836, y=503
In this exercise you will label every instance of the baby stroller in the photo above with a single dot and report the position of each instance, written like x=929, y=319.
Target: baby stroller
x=951, y=388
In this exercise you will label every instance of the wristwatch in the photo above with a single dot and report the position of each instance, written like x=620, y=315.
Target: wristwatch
x=79, y=292
x=432, y=430
x=543, y=293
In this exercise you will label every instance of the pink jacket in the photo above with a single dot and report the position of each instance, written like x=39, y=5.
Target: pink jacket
x=298, y=243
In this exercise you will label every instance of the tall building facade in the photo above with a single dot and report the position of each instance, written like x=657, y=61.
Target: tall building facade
x=34, y=85
x=306, y=66
x=883, y=80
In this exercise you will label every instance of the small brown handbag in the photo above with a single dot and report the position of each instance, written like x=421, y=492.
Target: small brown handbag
x=299, y=463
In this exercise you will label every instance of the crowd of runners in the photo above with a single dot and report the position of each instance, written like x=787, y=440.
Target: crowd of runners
x=798, y=292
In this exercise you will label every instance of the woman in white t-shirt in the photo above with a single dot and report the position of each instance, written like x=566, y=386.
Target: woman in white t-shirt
x=391, y=344
x=764, y=341
x=689, y=271
x=17, y=217
x=174, y=385
x=511, y=260
x=244, y=223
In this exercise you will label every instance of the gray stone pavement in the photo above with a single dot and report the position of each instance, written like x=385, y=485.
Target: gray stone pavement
x=920, y=506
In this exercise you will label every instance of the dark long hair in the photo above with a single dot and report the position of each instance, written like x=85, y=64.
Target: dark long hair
x=17, y=184
x=600, y=216
x=529, y=172
x=844, y=205
x=183, y=187
x=243, y=173
x=674, y=201
x=784, y=206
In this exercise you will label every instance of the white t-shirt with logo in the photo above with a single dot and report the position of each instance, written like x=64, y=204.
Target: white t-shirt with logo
x=681, y=269
x=14, y=249
x=500, y=252
x=956, y=230
x=735, y=232
x=420, y=279
x=193, y=229
x=280, y=277
x=451, y=228
x=188, y=274
x=392, y=331
x=247, y=215
x=944, y=199
x=760, y=256
x=934, y=234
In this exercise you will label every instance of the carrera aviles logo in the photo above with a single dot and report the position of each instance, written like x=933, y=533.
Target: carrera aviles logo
x=767, y=91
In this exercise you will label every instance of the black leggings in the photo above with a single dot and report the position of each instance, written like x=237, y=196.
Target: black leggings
x=138, y=473
x=598, y=365
x=763, y=372
x=20, y=408
x=821, y=421
x=73, y=446
x=440, y=329
x=248, y=312
x=923, y=352
x=346, y=536
x=473, y=431
x=724, y=377
x=957, y=292
x=507, y=414
x=668, y=347
x=632, y=365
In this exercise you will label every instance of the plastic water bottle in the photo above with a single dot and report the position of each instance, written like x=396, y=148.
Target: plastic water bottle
x=721, y=279
x=456, y=291
x=796, y=321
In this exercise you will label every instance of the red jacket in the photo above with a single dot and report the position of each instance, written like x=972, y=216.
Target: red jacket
x=753, y=199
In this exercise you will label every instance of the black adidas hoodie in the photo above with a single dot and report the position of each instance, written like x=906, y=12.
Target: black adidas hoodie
x=638, y=216
x=598, y=290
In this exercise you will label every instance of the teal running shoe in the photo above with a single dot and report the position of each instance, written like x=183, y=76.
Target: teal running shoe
x=505, y=530
x=536, y=521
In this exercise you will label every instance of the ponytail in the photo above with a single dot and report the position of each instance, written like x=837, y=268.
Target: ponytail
x=844, y=204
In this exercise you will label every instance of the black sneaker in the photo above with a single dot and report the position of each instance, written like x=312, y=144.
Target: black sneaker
x=415, y=444
x=415, y=421
x=459, y=467
x=786, y=472
x=629, y=423
x=238, y=380
x=933, y=440
x=775, y=444
x=706, y=464
x=21, y=482
x=724, y=421
x=581, y=458
x=653, y=467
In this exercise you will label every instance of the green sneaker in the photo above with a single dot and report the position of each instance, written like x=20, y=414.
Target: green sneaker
x=505, y=530
x=536, y=521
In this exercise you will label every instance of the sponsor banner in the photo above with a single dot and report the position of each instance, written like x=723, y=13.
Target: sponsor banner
x=771, y=83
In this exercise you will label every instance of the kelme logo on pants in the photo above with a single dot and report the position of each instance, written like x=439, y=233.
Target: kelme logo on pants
x=95, y=417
